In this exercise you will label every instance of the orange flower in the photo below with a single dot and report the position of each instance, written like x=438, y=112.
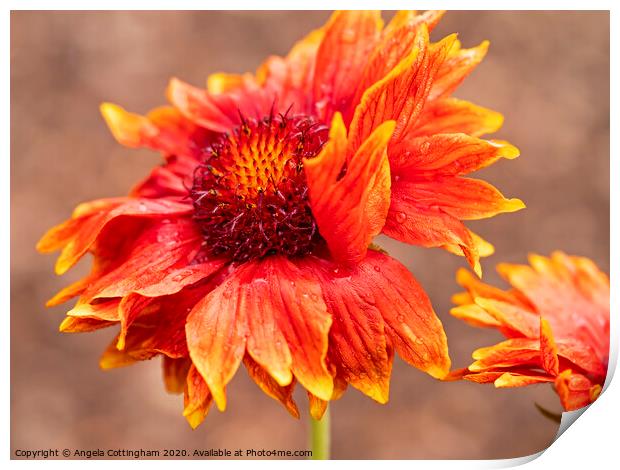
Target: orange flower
x=251, y=243
x=556, y=319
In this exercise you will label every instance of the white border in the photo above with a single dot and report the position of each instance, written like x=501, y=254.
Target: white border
x=591, y=443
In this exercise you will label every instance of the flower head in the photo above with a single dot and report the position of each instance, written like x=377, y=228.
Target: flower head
x=252, y=242
x=556, y=319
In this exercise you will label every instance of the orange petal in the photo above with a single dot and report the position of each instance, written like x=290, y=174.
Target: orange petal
x=160, y=330
x=129, y=129
x=548, y=349
x=475, y=315
x=401, y=94
x=410, y=322
x=162, y=129
x=516, y=352
x=69, y=292
x=575, y=390
x=175, y=373
x=197, y=400
x=89, y=317
x=349, y=37
x=479, y=289
x=430, y=227
x=458, y=65
x=513, y=320
x=316, y=406
x=357, y=337
x=270, y=387
x=462, y=198
x=511, y=379
x=216, y=334
x=303, y=319
x=395, y=44
x=450, y=115
x=446, y=154
x=266, y=342
x=112, y=358
x=78, y=234
x=350, y=211
x=82, y=325
x=588, y=278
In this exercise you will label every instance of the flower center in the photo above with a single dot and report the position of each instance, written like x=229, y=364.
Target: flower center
x=249, y=192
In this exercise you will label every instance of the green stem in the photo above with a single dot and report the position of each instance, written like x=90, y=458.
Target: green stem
x=320, y=437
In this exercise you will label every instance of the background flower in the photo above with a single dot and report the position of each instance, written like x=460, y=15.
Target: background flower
x=53, y=70
x=556, y=319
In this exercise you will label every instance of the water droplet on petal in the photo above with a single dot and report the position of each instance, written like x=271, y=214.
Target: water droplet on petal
x=377, y=268
x=401, y=217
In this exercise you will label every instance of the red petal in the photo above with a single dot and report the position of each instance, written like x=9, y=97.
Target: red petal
x=395, y=44
x=582, y=356
x=157, y=264
x=349, y=38
x=200, y=107
x=78, y=234
x=350, y=211
x=219, y=112
x=170, y=180
x=401, y=94
x=291, y=78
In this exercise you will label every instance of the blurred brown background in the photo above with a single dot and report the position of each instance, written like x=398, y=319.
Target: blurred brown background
x=548, y=72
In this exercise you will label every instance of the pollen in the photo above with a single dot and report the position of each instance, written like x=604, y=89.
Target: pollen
x=249, y=192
